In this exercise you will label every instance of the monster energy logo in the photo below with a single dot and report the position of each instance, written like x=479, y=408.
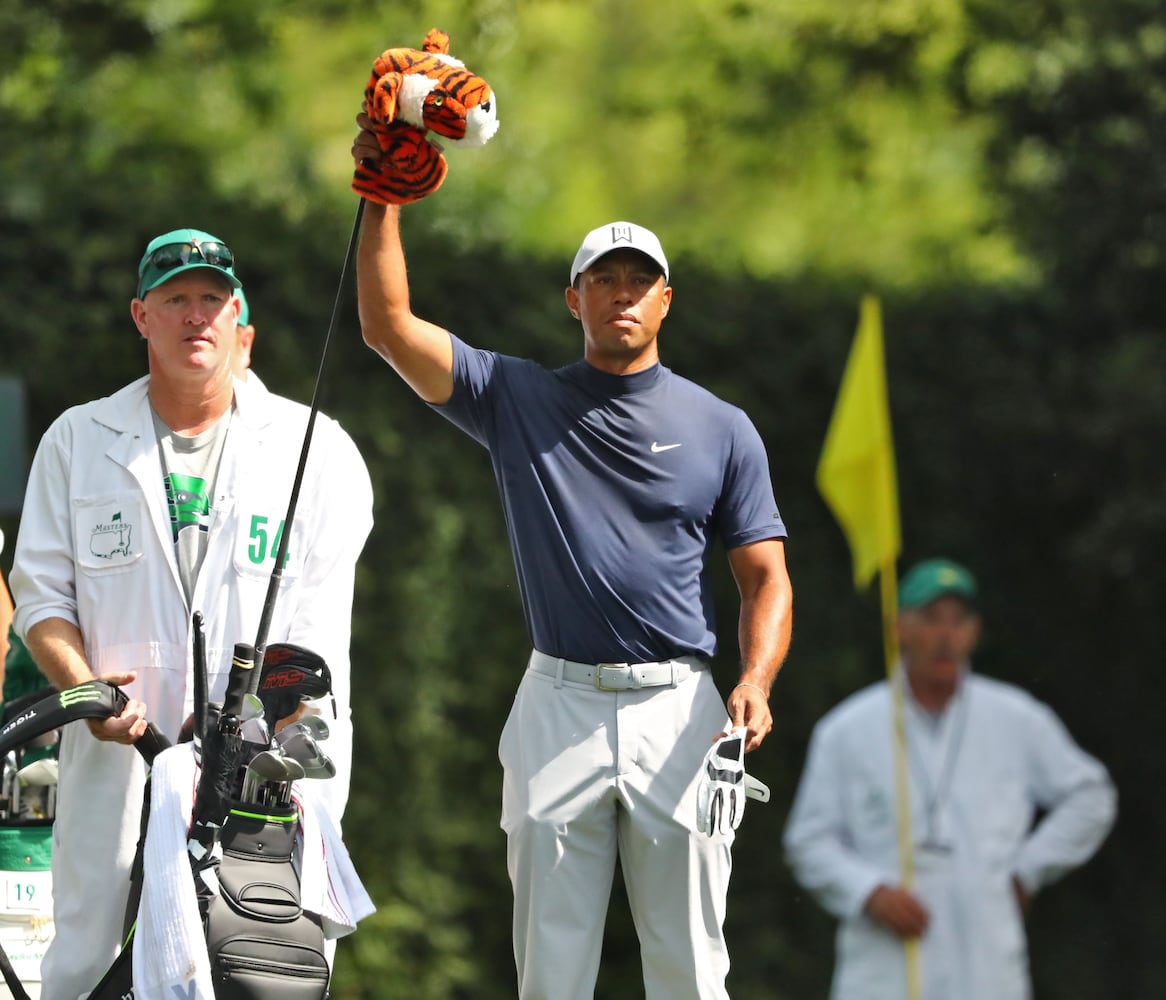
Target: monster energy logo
x=77, y=695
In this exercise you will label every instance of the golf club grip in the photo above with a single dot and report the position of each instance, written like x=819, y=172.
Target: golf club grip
x=239, y=680
x=152, y=742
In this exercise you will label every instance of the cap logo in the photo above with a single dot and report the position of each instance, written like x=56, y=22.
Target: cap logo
x=621, y=234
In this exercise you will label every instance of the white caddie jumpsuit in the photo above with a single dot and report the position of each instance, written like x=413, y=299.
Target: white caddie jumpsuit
x=979, y=774
x=95, y=548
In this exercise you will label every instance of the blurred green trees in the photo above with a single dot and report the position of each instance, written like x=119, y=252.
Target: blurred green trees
x=992, y=168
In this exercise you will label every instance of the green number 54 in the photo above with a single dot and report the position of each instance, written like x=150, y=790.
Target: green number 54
x=259, y=550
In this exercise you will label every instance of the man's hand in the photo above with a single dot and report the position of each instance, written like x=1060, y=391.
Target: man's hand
x=749, y=709
x=898, y=911
x=395, y=164
x=366, y=146
x=126, y=728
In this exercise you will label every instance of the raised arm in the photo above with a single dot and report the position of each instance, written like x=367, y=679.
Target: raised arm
x=420, y=351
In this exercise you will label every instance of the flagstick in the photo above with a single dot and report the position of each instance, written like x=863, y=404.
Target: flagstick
x=856, y=476
x=895, y=683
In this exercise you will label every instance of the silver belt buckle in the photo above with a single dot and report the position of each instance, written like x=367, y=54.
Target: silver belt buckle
x=624, y=681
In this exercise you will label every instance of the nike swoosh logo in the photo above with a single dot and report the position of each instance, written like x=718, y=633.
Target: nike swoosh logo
x=657, y=448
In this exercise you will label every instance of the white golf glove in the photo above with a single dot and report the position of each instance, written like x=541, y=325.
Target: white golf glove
x=724, y=785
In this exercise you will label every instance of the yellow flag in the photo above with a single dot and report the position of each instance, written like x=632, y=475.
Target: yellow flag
x=856, y=471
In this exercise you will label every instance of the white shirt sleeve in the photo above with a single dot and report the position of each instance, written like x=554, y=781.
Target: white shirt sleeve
x=1077, y=795
x=43, y=571
x=817, y=842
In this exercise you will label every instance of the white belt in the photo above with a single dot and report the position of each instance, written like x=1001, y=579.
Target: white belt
x=616, y=676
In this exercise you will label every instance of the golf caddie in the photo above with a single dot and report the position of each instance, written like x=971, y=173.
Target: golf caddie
x=166, y=498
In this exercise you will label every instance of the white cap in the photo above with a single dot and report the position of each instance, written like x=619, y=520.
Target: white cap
x=618, y=236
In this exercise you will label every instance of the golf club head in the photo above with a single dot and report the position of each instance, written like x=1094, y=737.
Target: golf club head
x=269, y=768
x=271, y=765
x=252, y=707
x=254, y=730
x=302, y=747
x=315, y=726
x=291, y=675
x=39, y=772
x=310, y=725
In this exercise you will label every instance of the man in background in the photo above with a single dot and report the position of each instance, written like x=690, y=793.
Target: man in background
x=985, y=760
x=244, y=337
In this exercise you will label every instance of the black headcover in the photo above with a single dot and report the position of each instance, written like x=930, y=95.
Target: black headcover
x=291, y=674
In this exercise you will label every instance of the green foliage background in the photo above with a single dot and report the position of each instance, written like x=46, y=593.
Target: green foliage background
x=994, y=169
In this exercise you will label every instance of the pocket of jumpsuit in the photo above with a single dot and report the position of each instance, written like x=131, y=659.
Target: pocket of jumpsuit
x=256, y=535
x=109, y=533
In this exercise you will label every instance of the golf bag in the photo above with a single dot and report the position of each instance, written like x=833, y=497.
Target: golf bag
x=261, y=943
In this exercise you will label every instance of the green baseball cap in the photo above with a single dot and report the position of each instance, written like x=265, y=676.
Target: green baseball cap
x=244, y=308
x=935, y=578
x=182, y=250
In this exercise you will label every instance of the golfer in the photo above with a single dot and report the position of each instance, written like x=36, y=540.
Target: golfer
x=617, y=476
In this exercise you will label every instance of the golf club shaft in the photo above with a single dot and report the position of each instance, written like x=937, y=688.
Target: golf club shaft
x=200, y=677
x=281, y=550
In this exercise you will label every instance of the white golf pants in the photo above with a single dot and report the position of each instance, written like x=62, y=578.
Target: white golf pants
x=590, y=775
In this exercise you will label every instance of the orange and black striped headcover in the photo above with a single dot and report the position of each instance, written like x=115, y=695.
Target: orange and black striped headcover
x=410, y=93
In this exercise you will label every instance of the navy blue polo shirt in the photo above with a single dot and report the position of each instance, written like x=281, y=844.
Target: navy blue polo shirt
x=614, y=489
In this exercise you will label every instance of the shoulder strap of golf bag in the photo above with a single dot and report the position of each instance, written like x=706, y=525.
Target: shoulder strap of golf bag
x=91, y=700
x=50, y=709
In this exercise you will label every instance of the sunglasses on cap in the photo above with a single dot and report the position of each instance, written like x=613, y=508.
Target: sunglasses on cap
x=173, y=255
x=182, y=254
